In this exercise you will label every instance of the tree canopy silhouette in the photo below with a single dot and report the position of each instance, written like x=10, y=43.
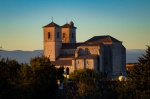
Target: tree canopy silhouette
x=37, y=80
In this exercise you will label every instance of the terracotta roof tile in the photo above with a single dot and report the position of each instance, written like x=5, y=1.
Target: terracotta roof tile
x=67, y=26
x=70, y=45
x=66, y=56
x=87, y=57
x=101, y=40
x=52, y=24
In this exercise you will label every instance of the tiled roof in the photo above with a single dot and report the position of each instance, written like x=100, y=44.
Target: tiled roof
x=52, y=24
x=101, y=40
x=70, y=45
x=67, y=26
x=62, y=62
x=87, y=57
x=89, y=44
x=66, y=56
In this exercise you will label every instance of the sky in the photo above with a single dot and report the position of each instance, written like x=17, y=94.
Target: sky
x=21, y=21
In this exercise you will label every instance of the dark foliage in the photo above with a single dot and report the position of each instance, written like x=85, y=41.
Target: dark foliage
x=88, y=84
x=138, y=83
x=21, y=81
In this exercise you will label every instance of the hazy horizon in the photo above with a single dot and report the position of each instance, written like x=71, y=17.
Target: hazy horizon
x=24, y=56
x=43, y=49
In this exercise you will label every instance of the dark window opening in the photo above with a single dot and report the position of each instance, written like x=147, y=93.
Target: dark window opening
x=49, y=35
x=67, y=71
x=64, y=35
x=57, y=34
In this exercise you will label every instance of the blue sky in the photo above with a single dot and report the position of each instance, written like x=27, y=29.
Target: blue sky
x=21, y=21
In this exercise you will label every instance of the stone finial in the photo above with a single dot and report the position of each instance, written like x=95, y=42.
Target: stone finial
x=71, y=24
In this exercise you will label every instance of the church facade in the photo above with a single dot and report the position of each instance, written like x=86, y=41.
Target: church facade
x=101, y=53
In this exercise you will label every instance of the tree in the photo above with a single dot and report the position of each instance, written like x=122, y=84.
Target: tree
x=140, y=74
x=85, y=80
x=138, y=83
x=145, y=59
x=44, y=76
x=25, y=75
x=60, y=72
x=39, y=80
x=9, y=70
x=91, y=84
x=8, y=77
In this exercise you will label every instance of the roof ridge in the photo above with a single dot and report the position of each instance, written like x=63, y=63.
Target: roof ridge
x=100, y=38
x=112, y=38
x=101, y=35
x=52, y=24
x=67, y=25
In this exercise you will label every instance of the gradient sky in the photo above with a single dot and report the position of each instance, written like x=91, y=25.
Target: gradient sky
x=21, y=21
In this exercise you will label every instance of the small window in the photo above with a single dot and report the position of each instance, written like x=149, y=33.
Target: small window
x=49, y=35
x=72, y=35
x=57, y=34
x=64, y=35
x=67, y=71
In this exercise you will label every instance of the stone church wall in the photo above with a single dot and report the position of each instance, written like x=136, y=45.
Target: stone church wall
x=117, y=59
x=49, y=52
x=65, y=35
x=86, y=63
x=80, y=64
x=72, y=35
x=123, y=60
x=86, y=50
x=89, y=63
x=96, y=66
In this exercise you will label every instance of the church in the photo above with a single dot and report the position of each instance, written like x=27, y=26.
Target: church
x=102, y=53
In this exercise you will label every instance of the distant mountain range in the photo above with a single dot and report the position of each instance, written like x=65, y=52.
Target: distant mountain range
x=25, y=56
x=132, y=55
x=21, y=56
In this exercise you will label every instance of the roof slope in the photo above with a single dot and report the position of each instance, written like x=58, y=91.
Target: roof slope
x=70, y=45
x=87, y=57
x=66, y=56
x=67, y=26
x=101, y=39
x=52, y=24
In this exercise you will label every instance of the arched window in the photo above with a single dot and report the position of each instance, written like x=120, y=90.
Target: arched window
x=49, y=35
x=57, y=34
x=64, y=35
x=67, y=71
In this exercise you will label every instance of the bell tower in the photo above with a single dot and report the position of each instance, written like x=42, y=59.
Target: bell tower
x=69, y=33
x=52, y=40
